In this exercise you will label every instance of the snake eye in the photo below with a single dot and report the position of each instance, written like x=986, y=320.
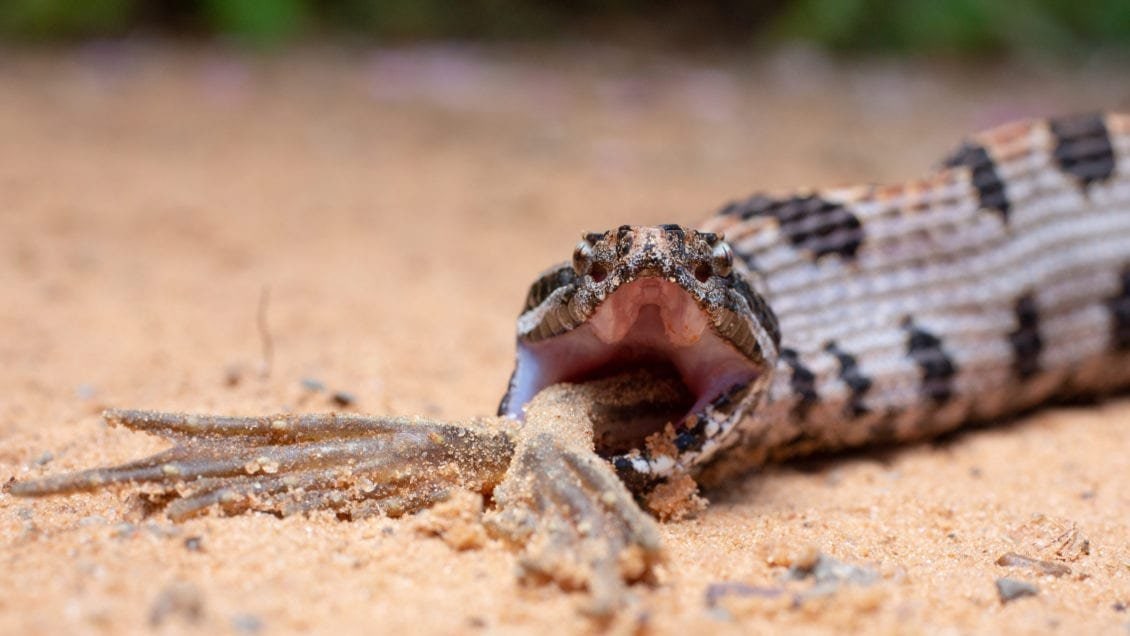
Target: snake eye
x=582, y=258
x=723, y=258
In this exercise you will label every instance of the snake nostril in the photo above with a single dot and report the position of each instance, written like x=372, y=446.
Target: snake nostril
x=598, y=273
x=702, y=272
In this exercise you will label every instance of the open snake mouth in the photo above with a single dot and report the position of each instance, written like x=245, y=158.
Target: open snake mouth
x=650, y=329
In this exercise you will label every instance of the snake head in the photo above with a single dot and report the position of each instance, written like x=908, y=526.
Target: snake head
x=667, y=298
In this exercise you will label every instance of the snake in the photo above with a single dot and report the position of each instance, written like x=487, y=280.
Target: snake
x=783, y=325
x=843, y=317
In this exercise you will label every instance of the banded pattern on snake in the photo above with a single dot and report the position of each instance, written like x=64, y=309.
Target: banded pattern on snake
x=998, y=283
x=879, y=313
x=786, y=325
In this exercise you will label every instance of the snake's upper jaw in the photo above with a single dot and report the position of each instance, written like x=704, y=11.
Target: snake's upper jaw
x=651, y=324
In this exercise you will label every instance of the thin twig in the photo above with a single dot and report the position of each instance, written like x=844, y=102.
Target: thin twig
x=268, y=345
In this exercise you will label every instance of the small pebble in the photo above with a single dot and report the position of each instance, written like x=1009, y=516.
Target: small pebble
x=85, y=392
x=834, y=477
x=1014, y=560
x=46, y=457
x=194, y=544
x=313, y=385
x=1118, y=606
x=825, y=569
x=162, y=531
x=247, y=623
x=343, y=398
x=1012, y=589
x=233, y=375
x=177, y=599
x=92, y=520
x=805, y=559
x=718, y=591
x=124, y=530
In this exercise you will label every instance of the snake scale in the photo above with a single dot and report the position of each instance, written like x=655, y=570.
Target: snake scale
x=784, y=325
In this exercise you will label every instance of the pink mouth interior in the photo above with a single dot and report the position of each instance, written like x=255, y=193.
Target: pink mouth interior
x=648, y=322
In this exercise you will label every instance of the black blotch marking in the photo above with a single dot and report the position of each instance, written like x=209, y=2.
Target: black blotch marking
x=938, y=368
x=1119, y=307
x=802, y=382
x=596, y=237
x=547, y=284
x=1083, y=148
x=624, y=240
x=727, y=397
x=678, y=236
x=990, y=187
x=686, y=440
x=1026, y=341
x=693, y=437
x=808, y=222
x=635, y=481
x=732, y=396
x=856, y=381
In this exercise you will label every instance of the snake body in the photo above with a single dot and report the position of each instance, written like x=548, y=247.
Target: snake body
x=868, y=314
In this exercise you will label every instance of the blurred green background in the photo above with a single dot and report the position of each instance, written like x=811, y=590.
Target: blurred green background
x=960, y=27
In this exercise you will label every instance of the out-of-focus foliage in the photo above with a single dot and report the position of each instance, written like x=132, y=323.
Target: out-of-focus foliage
x=899, y=26
x=439, y=18
x=60, y=18
x=262, y=21
x=959, y=26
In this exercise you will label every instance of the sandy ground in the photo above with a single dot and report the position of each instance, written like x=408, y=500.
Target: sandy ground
x=396, y=204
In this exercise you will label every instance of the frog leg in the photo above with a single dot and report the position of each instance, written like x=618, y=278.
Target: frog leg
x=565, y=508
x=355, y=465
